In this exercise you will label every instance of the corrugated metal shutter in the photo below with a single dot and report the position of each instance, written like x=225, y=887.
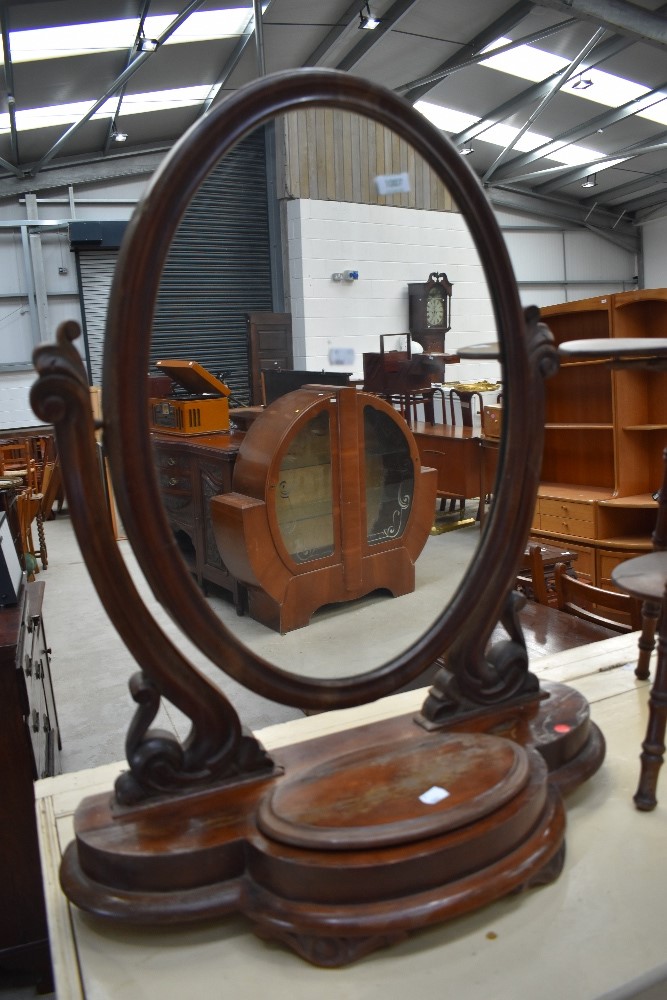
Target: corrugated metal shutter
x=218, y=269
x=95, y=269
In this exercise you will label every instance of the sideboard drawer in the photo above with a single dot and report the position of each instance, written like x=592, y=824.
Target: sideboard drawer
x=568, y=510
x=566, y=526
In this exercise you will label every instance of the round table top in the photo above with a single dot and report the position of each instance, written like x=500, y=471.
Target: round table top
x=644, y=577
x=619, y=351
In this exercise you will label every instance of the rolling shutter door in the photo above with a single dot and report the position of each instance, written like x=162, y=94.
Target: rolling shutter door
x=95, y=269
x=218, y=269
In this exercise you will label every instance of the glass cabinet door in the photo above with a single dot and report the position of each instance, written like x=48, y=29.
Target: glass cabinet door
x=390, y=478
x=304, y=498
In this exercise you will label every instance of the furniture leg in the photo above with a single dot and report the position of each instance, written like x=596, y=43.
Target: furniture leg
x=646, y=643
x=43, y=555
x=653, y=747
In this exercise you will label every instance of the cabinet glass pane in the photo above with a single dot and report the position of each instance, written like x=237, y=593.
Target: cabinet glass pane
x=304, y=501
x=390, y=478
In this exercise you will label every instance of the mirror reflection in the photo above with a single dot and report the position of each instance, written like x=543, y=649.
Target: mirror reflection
x=324, y=251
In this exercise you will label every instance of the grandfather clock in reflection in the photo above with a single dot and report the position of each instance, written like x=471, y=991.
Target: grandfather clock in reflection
x=429, y=311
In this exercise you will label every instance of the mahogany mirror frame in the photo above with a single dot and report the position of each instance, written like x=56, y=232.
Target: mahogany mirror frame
x=481, y=595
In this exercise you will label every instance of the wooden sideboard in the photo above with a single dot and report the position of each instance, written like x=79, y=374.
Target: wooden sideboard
x=190, y=471
x=29, y=749
x=605, y=432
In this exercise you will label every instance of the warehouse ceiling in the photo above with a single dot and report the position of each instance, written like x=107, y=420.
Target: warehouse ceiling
x=567, y=118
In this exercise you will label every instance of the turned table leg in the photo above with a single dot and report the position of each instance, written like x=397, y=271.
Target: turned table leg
x=653, y=747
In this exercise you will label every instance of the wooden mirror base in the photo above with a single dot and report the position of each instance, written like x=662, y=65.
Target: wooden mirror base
x=335, y=854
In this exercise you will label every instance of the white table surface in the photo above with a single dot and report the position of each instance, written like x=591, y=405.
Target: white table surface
x=599, y=931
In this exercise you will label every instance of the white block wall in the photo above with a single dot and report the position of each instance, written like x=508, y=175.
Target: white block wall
x=389, y=247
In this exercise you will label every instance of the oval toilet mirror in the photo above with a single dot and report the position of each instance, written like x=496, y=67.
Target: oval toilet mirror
x=396, y=637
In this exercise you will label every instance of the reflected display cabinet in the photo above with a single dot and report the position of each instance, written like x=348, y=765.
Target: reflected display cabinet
x=329, y=502
x=604, y=436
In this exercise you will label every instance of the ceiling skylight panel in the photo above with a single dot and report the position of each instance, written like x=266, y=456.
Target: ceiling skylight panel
x=106, y=36
x=502, y=135
x=64, y=115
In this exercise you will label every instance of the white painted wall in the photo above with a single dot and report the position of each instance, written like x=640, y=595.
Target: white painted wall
x=654, y=239
x=389, y=247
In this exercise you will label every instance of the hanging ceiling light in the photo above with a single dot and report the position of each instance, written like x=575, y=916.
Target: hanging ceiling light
x=581, y=82
x=367, y=20
x=590, y=182
x=117, y=135
x=147, y=44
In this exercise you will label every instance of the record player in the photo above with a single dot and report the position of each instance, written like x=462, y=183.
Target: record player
x=200, y=406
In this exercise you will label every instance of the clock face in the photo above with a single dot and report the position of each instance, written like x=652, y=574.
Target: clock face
x=435, y=310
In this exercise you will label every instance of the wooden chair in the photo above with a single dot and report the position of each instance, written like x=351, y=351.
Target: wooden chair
x=652, y=606
x=532, y=580
x=609, y=608
x=466, y=399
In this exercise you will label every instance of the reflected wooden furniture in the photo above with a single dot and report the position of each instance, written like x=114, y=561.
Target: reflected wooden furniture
x=329, y=503
x=269, y=348
x=610, y=608
x=604, y=434
x=404, y=379
x=536, y=576
x=465, y=467
x=190, y=472
x=29, y=749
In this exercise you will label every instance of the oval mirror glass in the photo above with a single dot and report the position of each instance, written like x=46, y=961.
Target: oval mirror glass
x=301, y=231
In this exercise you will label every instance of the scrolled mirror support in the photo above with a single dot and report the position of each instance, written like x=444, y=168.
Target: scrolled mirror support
x=216, y=749
x=472, y=676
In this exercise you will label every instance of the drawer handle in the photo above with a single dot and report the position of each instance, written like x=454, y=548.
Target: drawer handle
x=173, y=481
x=171, y=461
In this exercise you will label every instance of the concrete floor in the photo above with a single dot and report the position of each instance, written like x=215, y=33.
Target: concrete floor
x=91, y=666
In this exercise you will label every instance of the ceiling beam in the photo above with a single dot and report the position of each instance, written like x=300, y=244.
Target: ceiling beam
x=563, y=77
x=534, y=93
x=346, y=23
x=607, y=224
x=116, y=85
x=434, y=78
x=616, y=15
x=80, y=170
x=9, y=89
x=389, y=20
x=570, y=175
x=590, y=127
x=494, y=30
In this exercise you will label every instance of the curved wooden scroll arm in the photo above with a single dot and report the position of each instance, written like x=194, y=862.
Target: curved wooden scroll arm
x=216, y=749
x=473, y=677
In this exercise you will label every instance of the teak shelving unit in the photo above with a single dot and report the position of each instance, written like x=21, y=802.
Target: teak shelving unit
x=604, y=436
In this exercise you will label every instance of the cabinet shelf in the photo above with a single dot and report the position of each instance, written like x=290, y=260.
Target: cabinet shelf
x=641, y=500
x=645, y=427
x=605, y=430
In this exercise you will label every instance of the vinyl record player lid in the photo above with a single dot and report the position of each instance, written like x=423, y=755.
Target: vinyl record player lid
x=193, y=377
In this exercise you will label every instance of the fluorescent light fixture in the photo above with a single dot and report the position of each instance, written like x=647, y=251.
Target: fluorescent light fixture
x=367, y=20
x=581, y=82
x=147, y=44
x=466, y=150
x=590, y=182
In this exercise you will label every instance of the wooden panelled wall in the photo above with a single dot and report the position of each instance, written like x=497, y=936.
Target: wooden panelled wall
x=332, y=155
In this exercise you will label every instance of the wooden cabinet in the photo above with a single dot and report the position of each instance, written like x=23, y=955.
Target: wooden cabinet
x=190, y=472
x=29, y=749
x=604, y=435
x=330, y=503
